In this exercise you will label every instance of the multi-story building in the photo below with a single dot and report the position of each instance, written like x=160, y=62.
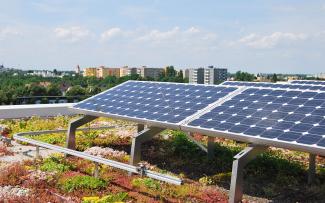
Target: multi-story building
x=42, y=73
x=187, y=73
x=210, y=75
x=127, y=71
x=320, y=75
x=154, y=73
x=103, y=72
x=90, y=72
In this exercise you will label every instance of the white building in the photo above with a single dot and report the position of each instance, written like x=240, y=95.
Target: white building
x=210, y=75
x=320, y=75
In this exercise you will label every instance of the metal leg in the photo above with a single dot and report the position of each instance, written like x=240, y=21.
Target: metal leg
x=140, y=127
x=241, y=159
x=211, y=147
x=37, y=156
x=96, y=170
x=190, y=136
x=312, y=169
x=71, y=134
x=137, y=140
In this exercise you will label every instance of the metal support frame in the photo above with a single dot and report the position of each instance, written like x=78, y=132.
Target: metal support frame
x=71, y=134
x=210, y=149
x=37, y=155
x=201, y=146
x=241, y=159
x=312, y=169
x=96, y=170
x=99, y=160
x=138, y=139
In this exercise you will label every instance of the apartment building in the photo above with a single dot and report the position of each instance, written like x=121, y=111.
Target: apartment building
x=101, y=72
x=127, y=71
x=90, y=72
x=210, y=75
x=146, y=72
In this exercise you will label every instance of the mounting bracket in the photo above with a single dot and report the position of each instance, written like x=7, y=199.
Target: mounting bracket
x=137, y=140
x=241, y=159
x=71, y=134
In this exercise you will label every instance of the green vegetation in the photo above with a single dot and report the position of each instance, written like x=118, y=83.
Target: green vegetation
x=278, y=175
x=55, y=164
x=244, y=76
x=81, y=182
x=147, y=183
x=182, y=146
x=112, y=198
x=274, y=78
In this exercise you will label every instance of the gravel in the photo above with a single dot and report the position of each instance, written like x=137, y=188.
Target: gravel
x=24, y=152
x=13, y=191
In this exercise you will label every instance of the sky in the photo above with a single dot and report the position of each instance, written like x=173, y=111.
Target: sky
x=269, y=36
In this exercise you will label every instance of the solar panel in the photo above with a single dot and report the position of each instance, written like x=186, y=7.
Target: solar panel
x=276, y=85
x=308, y=82
x=293, y=117
x=153, y=101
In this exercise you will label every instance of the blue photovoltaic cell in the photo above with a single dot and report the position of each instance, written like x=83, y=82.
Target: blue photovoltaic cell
x=304, y=86
x=164, y=102
x=286, y=115
x=308, y=82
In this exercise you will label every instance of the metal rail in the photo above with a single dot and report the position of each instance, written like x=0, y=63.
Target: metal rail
x=29, y=110
x=133, y=169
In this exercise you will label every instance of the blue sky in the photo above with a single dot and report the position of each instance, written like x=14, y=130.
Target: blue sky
x=256, y=36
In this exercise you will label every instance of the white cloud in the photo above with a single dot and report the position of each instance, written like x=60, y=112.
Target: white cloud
x=72, y=34
x=192, y=30
x=8, y=32
x=270, y=41
x=176, y=34
x=111, y=33
x=158, y=36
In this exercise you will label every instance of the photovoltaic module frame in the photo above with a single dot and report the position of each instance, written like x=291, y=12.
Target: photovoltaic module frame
x=281, y=115
x=153, y=103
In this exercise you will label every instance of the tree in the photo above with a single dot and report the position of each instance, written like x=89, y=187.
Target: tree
x=36, y=90
x=244, y=76
x=180, y=74
x=76, y=91
x=170, y=71
x=3, y=97
x=55, y=72
x=54, y=90
x=92, y=90
x=274, y=78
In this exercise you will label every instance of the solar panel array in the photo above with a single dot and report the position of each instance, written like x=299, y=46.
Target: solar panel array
x=278, y=113
x=308, y=82
x=276, y=85
x=285, y=115
x=163, y=102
